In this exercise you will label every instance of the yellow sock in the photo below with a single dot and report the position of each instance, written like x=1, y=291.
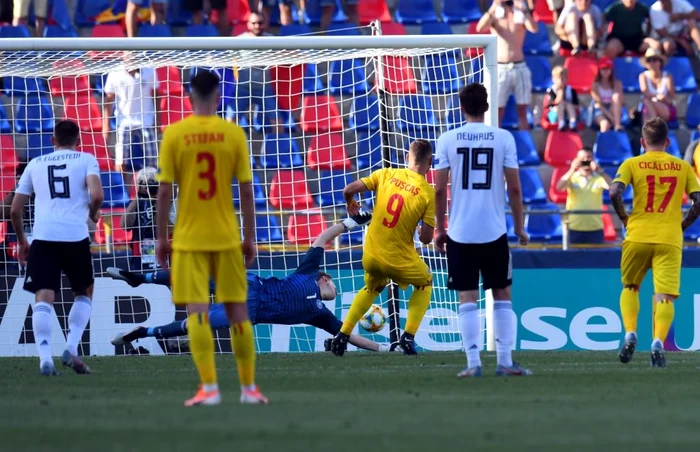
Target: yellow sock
x=417, y=305
x=362, y=302
x=243, y=344
x=202, y=347
x=663, y=318
x=629, y=307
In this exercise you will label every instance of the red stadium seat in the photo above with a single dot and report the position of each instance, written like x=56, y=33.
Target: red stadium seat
x=69, y=83
x=288, y=83
x=398, y=75
x=327, y=152
x=542, y=13
x=169, y=81
x=557, y=196
x=8, y=156
x=371, y=10
x=237, y=11
x=393, y=29
x=608, y=227
x=320, y=114
x=561, y=148
x=289, y=191
x=7, y=181
x=582, y=71
x=239, y=29
x=83, y=109
x=304, y=228
x=174, y=109
x=108, y=31
x=94, y=143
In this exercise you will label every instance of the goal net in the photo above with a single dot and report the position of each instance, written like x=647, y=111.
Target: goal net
x=319, y=112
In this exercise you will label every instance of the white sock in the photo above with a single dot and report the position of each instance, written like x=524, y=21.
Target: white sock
x=42, y=315
x=77, y=321
x=631, y=336
x=504, y=330
x=469, y=328
x=657, y=344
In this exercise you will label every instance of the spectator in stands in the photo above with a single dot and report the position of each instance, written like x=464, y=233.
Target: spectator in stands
x=674, y=23
x=556, y=7
x=21, y=13
x=630, y=28
x=132, y=7
x=658, y=88
x=584, y=184
x=561, y=100
x=579, y=26
x=607, y=101
x=509, y=19
x=197, y=9
x=327, y=10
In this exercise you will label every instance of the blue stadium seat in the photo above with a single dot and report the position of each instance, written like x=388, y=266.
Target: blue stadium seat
x=461, y=11
x=5, y=126
x=603, y=4
x=342, y=29
x=455, y=118
x=313, y=13
x=435, y=28
x=258, y=193
x=280, y=151
x=415, y=112
x=476, y=74
x=352, y=238
x=19, y=86
x=415, y=12
x=510, y=116
x=87, y=10
x=525, y=145
x=695, y=135
x=201, y=31
x=38, y=144
x=541, y=73
x=627, y=70
x=538, y=43
x=265, y=121
x=439, y=75
x=369, y=150
x=155, y=31
x=693, y=232
x=9, y=31
x=227, y=89
x=612, y=148
x=177, y=15
x=626, y=195
x=116, y=194
x=682, y=72
x=295, y=30
x=312, y=82
x=56, y=31
x=533, y=190
x=510, y=228
x=544, y=227
x=364, y=113
x=673, y=148
x=267, y=229
x=692, y=115
x=331, y=187
x=34, y=114
x=348, y=77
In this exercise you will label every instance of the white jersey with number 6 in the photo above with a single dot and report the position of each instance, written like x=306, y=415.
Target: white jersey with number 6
x=476, y=155
x=59, y=181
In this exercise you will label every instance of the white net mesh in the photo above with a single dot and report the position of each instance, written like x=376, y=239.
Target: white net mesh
x=315, y=119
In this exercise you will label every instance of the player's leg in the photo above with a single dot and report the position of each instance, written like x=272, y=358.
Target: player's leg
x=421, y=278
x=161, y=277
x=231, y=282
x=666, y=269
x=635, y=261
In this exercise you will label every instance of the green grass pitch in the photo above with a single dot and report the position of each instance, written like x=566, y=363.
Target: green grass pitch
x=575, y=401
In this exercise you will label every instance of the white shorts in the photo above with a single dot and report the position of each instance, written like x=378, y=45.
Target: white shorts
x=514, y=78
x=41, y=8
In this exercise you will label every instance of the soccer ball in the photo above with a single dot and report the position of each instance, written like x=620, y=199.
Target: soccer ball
x=374, y=319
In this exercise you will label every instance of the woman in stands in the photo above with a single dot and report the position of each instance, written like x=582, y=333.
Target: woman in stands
x=606, y=107
x=658, y=88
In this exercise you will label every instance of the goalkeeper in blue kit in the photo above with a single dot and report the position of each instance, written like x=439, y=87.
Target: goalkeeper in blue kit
x=292, y=300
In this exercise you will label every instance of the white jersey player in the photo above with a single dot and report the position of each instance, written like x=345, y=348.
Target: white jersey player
x=480, y=160
x=67, y=190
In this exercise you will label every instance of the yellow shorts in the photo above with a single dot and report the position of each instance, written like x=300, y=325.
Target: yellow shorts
x=192, y=270
x=663, y=260
x=378, y=274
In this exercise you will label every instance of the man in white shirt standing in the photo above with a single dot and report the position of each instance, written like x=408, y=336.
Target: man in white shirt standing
x=674, y=23
x=67, y=188
x=477, y=158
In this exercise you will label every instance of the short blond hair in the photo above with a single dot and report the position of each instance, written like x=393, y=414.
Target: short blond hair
x=559, y=71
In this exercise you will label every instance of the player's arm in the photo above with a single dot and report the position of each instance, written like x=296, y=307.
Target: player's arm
x=346, y=225
x=163, y=201
x=349, y=192
x=515, y=191
x=692, y=187
x=6, y=206
x=427, y=228
x=622, y=179
x=24, y=190
x=94, y=185
x=366, y=344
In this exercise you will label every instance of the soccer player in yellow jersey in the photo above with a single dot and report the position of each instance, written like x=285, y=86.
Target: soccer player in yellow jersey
x=654, y=237
x=403, y=199
x=203, y=154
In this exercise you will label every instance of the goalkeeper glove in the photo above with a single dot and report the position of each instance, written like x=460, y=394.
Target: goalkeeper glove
x=350, y=223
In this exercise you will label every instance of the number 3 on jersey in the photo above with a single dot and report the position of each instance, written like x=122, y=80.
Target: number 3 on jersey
x=207, y=175
x=393, y=208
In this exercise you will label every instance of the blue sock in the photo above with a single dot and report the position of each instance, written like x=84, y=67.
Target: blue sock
x=161, y=277
x=174, y=329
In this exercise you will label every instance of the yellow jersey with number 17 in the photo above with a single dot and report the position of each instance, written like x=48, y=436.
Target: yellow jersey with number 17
x=403, y=198
x=659, y=181
x=202, y=155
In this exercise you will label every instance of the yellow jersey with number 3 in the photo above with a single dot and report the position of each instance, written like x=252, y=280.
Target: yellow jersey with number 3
x=202, y=155
x=403, y=198
x=659, y=181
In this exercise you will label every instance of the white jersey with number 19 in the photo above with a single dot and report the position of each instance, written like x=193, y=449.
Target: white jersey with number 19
x=476, y=155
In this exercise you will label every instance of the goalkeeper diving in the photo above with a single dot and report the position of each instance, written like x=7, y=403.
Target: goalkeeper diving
x=292, y=300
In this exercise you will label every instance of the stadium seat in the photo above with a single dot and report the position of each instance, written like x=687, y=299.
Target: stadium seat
x=20, y=86
x=461, y=11
x=455, y=117
x=288, y=84
x=612, y=148
x=561, y=148
x=173, y=109
x=259, y=198
x=237, y=11
x=18, y=31
x=415, y=112
x=557, y=196
x=295, y=30
x=533, y=190
x=267, y=229
x=525, y=146
x=201, y=31
x=415, y=12
x=627, y=70
x=8, y=155
x=320, y=114
x=56, y=31
x=169, y=81
x=342, y=29
x=107, y=31
x=303, y=229
x=83, y=109
x=398, y=75
x=331, y=186
x=538, y=43
x=154, y=31
x=177, y=15
x=364, y=113
x=38, y=144
x=693, y=232
x=682, y=72
x=5, y=126
x=626, y=195
x=312, y=80
x=239, y=29
x=692, y=115
x=353, y=238
x=327, y=152
x=33, y=114
x=289, y=191
x=371, y=10
x=435, y=28
x=541, y=73
x=609, y=231
x=369, y=150
x=94, y=143
x=69, y=84
x=280, y=151
x=542, y=13
x=544, y=227
x=582, y=72
x=87, y=10
x=348, y=77
x=673, y=148
x=393, y=29
x=510, y=117
x=116, y=194
x=439, y=75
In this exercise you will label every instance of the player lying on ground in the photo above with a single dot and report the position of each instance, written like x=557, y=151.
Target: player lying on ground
x=288, y=301
x=654, y=238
